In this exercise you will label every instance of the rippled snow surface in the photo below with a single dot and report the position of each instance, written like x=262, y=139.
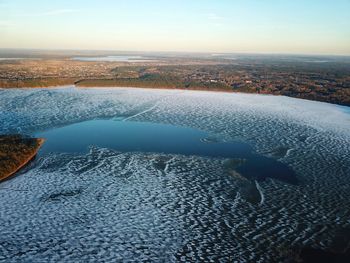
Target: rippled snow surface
x=109, y=206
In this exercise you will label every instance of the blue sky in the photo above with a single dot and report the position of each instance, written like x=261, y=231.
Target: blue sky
x=254, y=26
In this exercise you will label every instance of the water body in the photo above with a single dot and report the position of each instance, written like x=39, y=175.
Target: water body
x=115, y=59
x=344, y=109
x=131, y=136
x=107, y=206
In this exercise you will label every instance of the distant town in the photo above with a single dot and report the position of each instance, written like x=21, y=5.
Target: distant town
x=315, y=78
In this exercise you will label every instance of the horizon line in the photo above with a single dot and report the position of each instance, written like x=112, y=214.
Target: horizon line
x=182, y=52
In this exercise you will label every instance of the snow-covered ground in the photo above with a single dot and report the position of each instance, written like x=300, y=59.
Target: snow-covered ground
x=106, y=205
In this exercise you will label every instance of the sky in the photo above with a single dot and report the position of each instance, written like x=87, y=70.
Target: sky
x=217, y=26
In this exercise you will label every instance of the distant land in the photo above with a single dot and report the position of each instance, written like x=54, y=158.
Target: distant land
x=320, y=78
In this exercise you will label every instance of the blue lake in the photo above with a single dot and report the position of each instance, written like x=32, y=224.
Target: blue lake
x=131, y=136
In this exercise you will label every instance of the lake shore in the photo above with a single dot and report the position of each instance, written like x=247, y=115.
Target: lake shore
x=147, y=84
x=16, y=152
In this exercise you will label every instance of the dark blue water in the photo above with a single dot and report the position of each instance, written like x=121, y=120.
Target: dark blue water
x=159, y=138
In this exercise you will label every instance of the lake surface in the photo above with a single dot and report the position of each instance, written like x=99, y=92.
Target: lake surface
x=136, y=204
x=131, y=136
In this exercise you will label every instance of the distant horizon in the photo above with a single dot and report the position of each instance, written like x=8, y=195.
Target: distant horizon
x=310, y=27
x=172, y=52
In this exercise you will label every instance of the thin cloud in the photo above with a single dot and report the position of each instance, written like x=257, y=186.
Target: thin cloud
x=6, y=23
x=214, y=17
x=56, y=12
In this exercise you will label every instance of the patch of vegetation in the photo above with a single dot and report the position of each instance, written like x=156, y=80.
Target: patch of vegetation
x=153, y=81
x=15, y=152
x=36, y=83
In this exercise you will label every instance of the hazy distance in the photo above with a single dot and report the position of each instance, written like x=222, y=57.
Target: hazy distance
x=303, y=27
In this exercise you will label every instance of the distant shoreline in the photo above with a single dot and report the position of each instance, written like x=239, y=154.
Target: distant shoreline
x=108, y=83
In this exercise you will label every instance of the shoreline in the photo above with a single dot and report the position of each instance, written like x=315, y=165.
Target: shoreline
x=162, y=88
x=40, y=142
x=170, y=88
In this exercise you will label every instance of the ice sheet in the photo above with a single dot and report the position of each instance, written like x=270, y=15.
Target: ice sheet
x=107, y=205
